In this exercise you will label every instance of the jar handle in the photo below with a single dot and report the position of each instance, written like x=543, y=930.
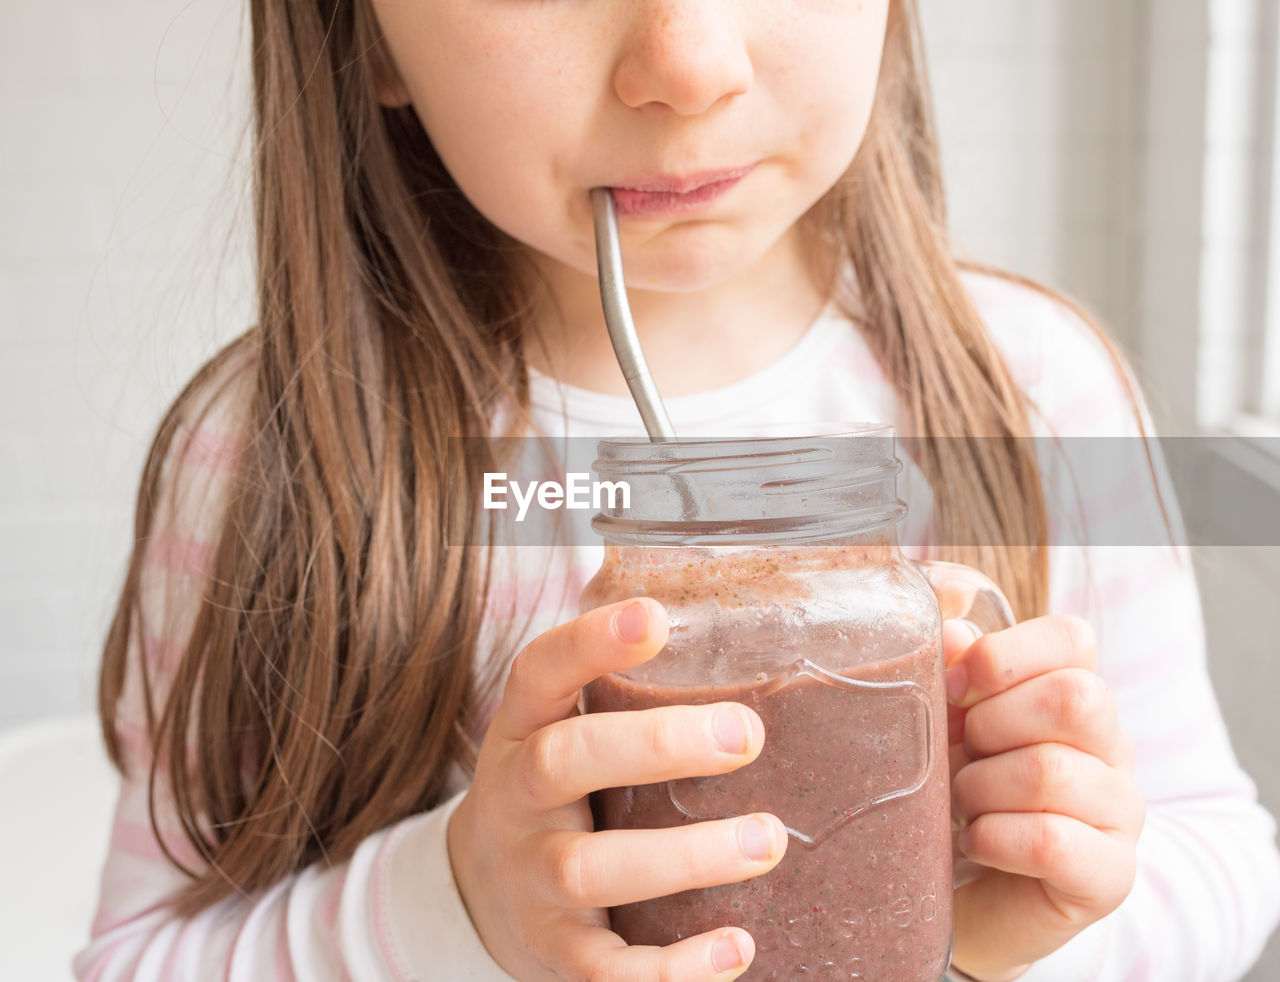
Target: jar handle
x=965, y=593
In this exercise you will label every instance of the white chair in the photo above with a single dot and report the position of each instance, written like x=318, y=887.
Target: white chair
x=57, y=794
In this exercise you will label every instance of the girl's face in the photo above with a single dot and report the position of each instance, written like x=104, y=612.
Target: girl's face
x=531, y=103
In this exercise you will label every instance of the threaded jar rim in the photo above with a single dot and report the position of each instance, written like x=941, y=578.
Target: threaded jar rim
x=833, y=480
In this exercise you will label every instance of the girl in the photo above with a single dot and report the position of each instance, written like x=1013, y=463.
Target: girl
x=323, y=778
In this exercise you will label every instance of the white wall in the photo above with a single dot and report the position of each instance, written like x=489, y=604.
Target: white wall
x=1035, y=102
x=119, y=120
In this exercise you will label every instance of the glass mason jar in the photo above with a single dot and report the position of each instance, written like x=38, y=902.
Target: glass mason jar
x=778, y=565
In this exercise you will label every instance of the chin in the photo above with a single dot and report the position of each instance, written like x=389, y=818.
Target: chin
x=677, y=281
x=691, y=269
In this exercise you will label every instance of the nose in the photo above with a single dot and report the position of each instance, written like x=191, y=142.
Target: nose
x=684, y=54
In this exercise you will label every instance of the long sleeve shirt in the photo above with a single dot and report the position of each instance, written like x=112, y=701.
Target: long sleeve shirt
x=1208, y=883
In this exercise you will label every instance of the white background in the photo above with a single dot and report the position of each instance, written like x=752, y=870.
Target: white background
x=1074, y=138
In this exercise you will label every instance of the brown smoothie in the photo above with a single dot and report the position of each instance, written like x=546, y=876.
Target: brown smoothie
x=856, y=772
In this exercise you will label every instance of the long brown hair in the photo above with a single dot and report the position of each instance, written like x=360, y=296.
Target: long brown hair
x=332, y=665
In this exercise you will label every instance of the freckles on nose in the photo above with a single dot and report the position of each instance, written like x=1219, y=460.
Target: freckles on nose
x=687, y=65
x=658, y=43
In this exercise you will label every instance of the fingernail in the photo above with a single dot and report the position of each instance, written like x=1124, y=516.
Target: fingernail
x=755, y=839
x=631, y=623
x=975, y=632
x=957, y=683
x=730, y=730
x=725, y=955
x=962, y=841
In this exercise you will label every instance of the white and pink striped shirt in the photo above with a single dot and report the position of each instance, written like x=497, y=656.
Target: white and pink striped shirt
x=1208, y=886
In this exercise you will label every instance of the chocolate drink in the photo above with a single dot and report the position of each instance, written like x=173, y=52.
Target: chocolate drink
x=868, y=895
x=777, y=562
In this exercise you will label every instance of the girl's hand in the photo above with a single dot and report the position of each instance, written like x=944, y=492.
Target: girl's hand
x=1042, y=792
x=535, y=878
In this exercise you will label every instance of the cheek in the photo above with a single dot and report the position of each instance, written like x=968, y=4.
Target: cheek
x=828, y=74
x=497, y=96
x=477, y=82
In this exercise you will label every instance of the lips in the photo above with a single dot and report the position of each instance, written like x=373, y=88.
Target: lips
x=682, y=185
x=666, y=195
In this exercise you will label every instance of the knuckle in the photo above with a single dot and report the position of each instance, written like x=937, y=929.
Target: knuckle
x=668, y=971
x=1083, y=701
x=1052, y=768
x=613, y=966
x=664, y=741
x=545, y=753
x=567, y=874
x=585, y=632
x=1078, y=913
x=1050, y=846
x=607, y=969
x=1074, y=634
x=520, y=671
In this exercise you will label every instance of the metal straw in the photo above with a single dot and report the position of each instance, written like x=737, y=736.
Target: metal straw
x=626, y=344
x=617, y=316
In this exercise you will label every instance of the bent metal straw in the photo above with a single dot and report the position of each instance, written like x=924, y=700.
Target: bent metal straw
x=617, y=316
